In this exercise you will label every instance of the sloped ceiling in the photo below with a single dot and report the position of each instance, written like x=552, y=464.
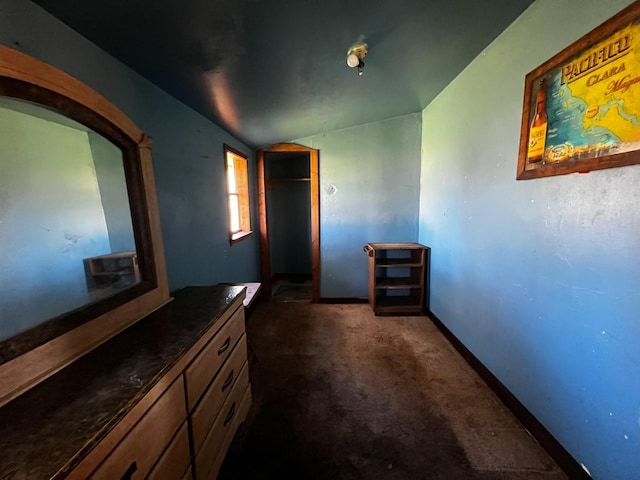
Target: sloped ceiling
x=270, y=71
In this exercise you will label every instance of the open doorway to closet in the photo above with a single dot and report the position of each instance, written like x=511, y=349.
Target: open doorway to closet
x=288, y=200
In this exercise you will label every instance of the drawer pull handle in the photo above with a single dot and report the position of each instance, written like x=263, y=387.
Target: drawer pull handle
x=228, y=381
x=232, y=412
x=130, y=471
x=225, y=346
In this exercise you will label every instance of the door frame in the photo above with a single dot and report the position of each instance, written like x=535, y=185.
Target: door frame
x=265, y=255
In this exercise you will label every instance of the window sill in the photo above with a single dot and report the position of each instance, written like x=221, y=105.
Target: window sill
x=239, y=236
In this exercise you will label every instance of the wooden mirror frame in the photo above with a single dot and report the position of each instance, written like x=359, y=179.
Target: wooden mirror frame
x=42, y=351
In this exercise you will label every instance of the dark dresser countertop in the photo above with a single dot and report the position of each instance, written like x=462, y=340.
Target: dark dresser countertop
x=47, y=431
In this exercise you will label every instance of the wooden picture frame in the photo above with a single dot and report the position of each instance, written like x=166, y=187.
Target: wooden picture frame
x=581, y=109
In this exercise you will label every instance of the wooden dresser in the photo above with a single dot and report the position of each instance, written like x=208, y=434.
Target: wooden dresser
x=161, y=400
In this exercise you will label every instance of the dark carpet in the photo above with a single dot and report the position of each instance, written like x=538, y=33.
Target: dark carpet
x=339, y=393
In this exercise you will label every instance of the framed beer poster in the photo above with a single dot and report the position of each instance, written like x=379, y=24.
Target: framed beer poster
x=581, y=108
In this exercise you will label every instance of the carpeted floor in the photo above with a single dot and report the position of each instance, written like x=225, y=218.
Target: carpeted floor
x=291, y=288
x=339, y=393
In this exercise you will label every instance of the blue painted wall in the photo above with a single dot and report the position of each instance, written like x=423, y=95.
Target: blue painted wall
x=538, y=278
x=188, y=153
x=369, y=192
x=107, y=159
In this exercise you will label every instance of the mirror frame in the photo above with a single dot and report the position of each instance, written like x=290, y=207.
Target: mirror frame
x=32, y=356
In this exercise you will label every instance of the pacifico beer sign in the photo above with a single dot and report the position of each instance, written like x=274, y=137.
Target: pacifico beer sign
x=582, y=107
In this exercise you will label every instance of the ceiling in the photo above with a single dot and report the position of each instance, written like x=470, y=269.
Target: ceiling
x=271, y=71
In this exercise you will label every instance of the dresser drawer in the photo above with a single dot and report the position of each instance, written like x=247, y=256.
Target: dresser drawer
x=214, y=397
x=233, y=412
x=204, y=367
x=174, y=462
x=146, y=441
x=240, y=417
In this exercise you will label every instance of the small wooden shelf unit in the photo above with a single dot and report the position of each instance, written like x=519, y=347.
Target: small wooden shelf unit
x=398, y=277
x=113, y=269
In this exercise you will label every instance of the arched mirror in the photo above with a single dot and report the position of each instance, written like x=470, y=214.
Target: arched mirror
x=81, y=256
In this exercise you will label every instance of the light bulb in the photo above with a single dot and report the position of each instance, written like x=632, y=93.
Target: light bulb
x=353, y=60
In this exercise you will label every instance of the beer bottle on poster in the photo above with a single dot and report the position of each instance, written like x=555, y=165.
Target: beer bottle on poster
x=538, y=130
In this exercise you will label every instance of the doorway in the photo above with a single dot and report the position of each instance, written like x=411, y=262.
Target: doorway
x=288, y=201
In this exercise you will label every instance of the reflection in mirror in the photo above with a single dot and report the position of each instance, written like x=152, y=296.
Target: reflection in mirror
x=66, y=234
x=81, y=258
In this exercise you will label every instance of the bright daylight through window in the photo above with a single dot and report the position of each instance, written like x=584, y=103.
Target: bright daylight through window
x=238, y=194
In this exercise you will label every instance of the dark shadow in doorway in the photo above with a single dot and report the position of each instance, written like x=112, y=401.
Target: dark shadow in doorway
x=292, y=288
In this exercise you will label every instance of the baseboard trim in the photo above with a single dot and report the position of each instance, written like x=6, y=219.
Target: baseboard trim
x=562, y=457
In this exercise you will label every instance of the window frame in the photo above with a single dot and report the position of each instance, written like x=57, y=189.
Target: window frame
x=240, y=191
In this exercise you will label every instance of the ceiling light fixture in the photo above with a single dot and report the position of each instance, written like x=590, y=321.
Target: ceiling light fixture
x=355, y=56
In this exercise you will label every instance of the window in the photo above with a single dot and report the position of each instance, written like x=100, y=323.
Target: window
x=238, y=194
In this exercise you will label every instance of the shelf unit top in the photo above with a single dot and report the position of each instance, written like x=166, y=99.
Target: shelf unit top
x=370, y=248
